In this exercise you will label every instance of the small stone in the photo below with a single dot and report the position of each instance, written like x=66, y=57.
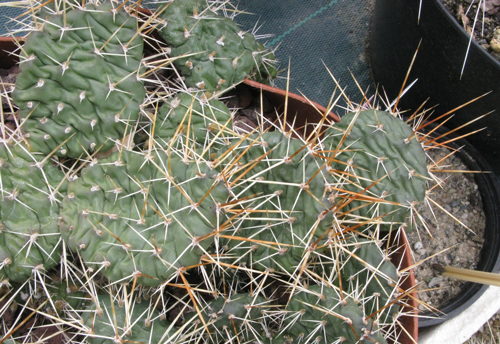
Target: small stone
x=436, y=281
x=495, y=45
x=418, y=246
x=477, y=239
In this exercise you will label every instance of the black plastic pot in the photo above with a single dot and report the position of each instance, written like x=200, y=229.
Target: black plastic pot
x=395, y=35
x=489, y=190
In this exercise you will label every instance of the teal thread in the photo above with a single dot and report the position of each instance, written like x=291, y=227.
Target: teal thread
x=302, y=22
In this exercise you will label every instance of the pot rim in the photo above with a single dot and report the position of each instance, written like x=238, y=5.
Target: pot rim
x=489, y=190
x=473, y=44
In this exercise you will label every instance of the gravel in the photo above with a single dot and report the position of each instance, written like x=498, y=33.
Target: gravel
x=485, y=26
x=453, y=233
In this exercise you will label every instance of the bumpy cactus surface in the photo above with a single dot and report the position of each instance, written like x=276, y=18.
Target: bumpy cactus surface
x=294, y=204
x=122, y=321
x=79, y=88
x=235, y=317
x=31, y=188
x=379, y=156
x=142, y=216
x=212, y=52
x=319, y=314
x=191, y=116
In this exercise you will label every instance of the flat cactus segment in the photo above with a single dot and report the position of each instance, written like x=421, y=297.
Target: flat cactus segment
x=29, y=211
x=218, y=53
x=143, y=216
x=293, y=207
x=239, y=316
x=368, y=272
x=319, y=315
x=79, y=80
x=188, y=114
x=125, y=322
x=380, y=158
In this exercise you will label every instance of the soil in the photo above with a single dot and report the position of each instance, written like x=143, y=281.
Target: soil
x=485, y=29
x=453, y=243
x=485, y=25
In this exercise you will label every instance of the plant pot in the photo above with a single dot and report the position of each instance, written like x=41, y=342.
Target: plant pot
x=396, y=32
x=489, y=259
x=310, y=113
x=395, y=36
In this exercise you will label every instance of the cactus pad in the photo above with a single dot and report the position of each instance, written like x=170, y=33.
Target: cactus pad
x=78, y=87
x=189, y=115
x=119, y=321
x=382, y=160
x=142, y=216
x=29, y=212
x=220, y=54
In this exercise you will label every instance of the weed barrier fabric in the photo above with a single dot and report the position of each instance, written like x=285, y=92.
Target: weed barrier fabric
x=314, y=36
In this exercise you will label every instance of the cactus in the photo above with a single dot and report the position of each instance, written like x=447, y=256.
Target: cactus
x=318, y=315
x=369, y=173
x=119, y=320
x=264, y=222
x=143, y=216
x=292, y=183
x=238, y=316
x=211, y=51
x=31, y=187
x=78, y=89
x=379, y=156
x=192, y=116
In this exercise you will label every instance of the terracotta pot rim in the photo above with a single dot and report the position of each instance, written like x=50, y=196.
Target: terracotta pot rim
x=284, y=93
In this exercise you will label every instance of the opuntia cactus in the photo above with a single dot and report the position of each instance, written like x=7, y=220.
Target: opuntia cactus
x=283, y=231
x=211, y=51
x=118, y=320
x=319, y=314
x=32, y=187
x=379, y=157
x=191, y=116
x=79, y=89
x=143, y=216
x=237, y=316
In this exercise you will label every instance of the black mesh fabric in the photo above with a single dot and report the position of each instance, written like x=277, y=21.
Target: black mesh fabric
x=9, y=19
x=314, y=36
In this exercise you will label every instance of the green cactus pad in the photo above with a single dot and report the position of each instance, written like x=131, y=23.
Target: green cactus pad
x=140, y=215
x=29, y=212
x=382, y=155
x=115, y=322
x=79, y=80
x=367, y=274
x=239, y=316
x=292, y=186
x=319, y=315
x=220, y=54
x=188, y=114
